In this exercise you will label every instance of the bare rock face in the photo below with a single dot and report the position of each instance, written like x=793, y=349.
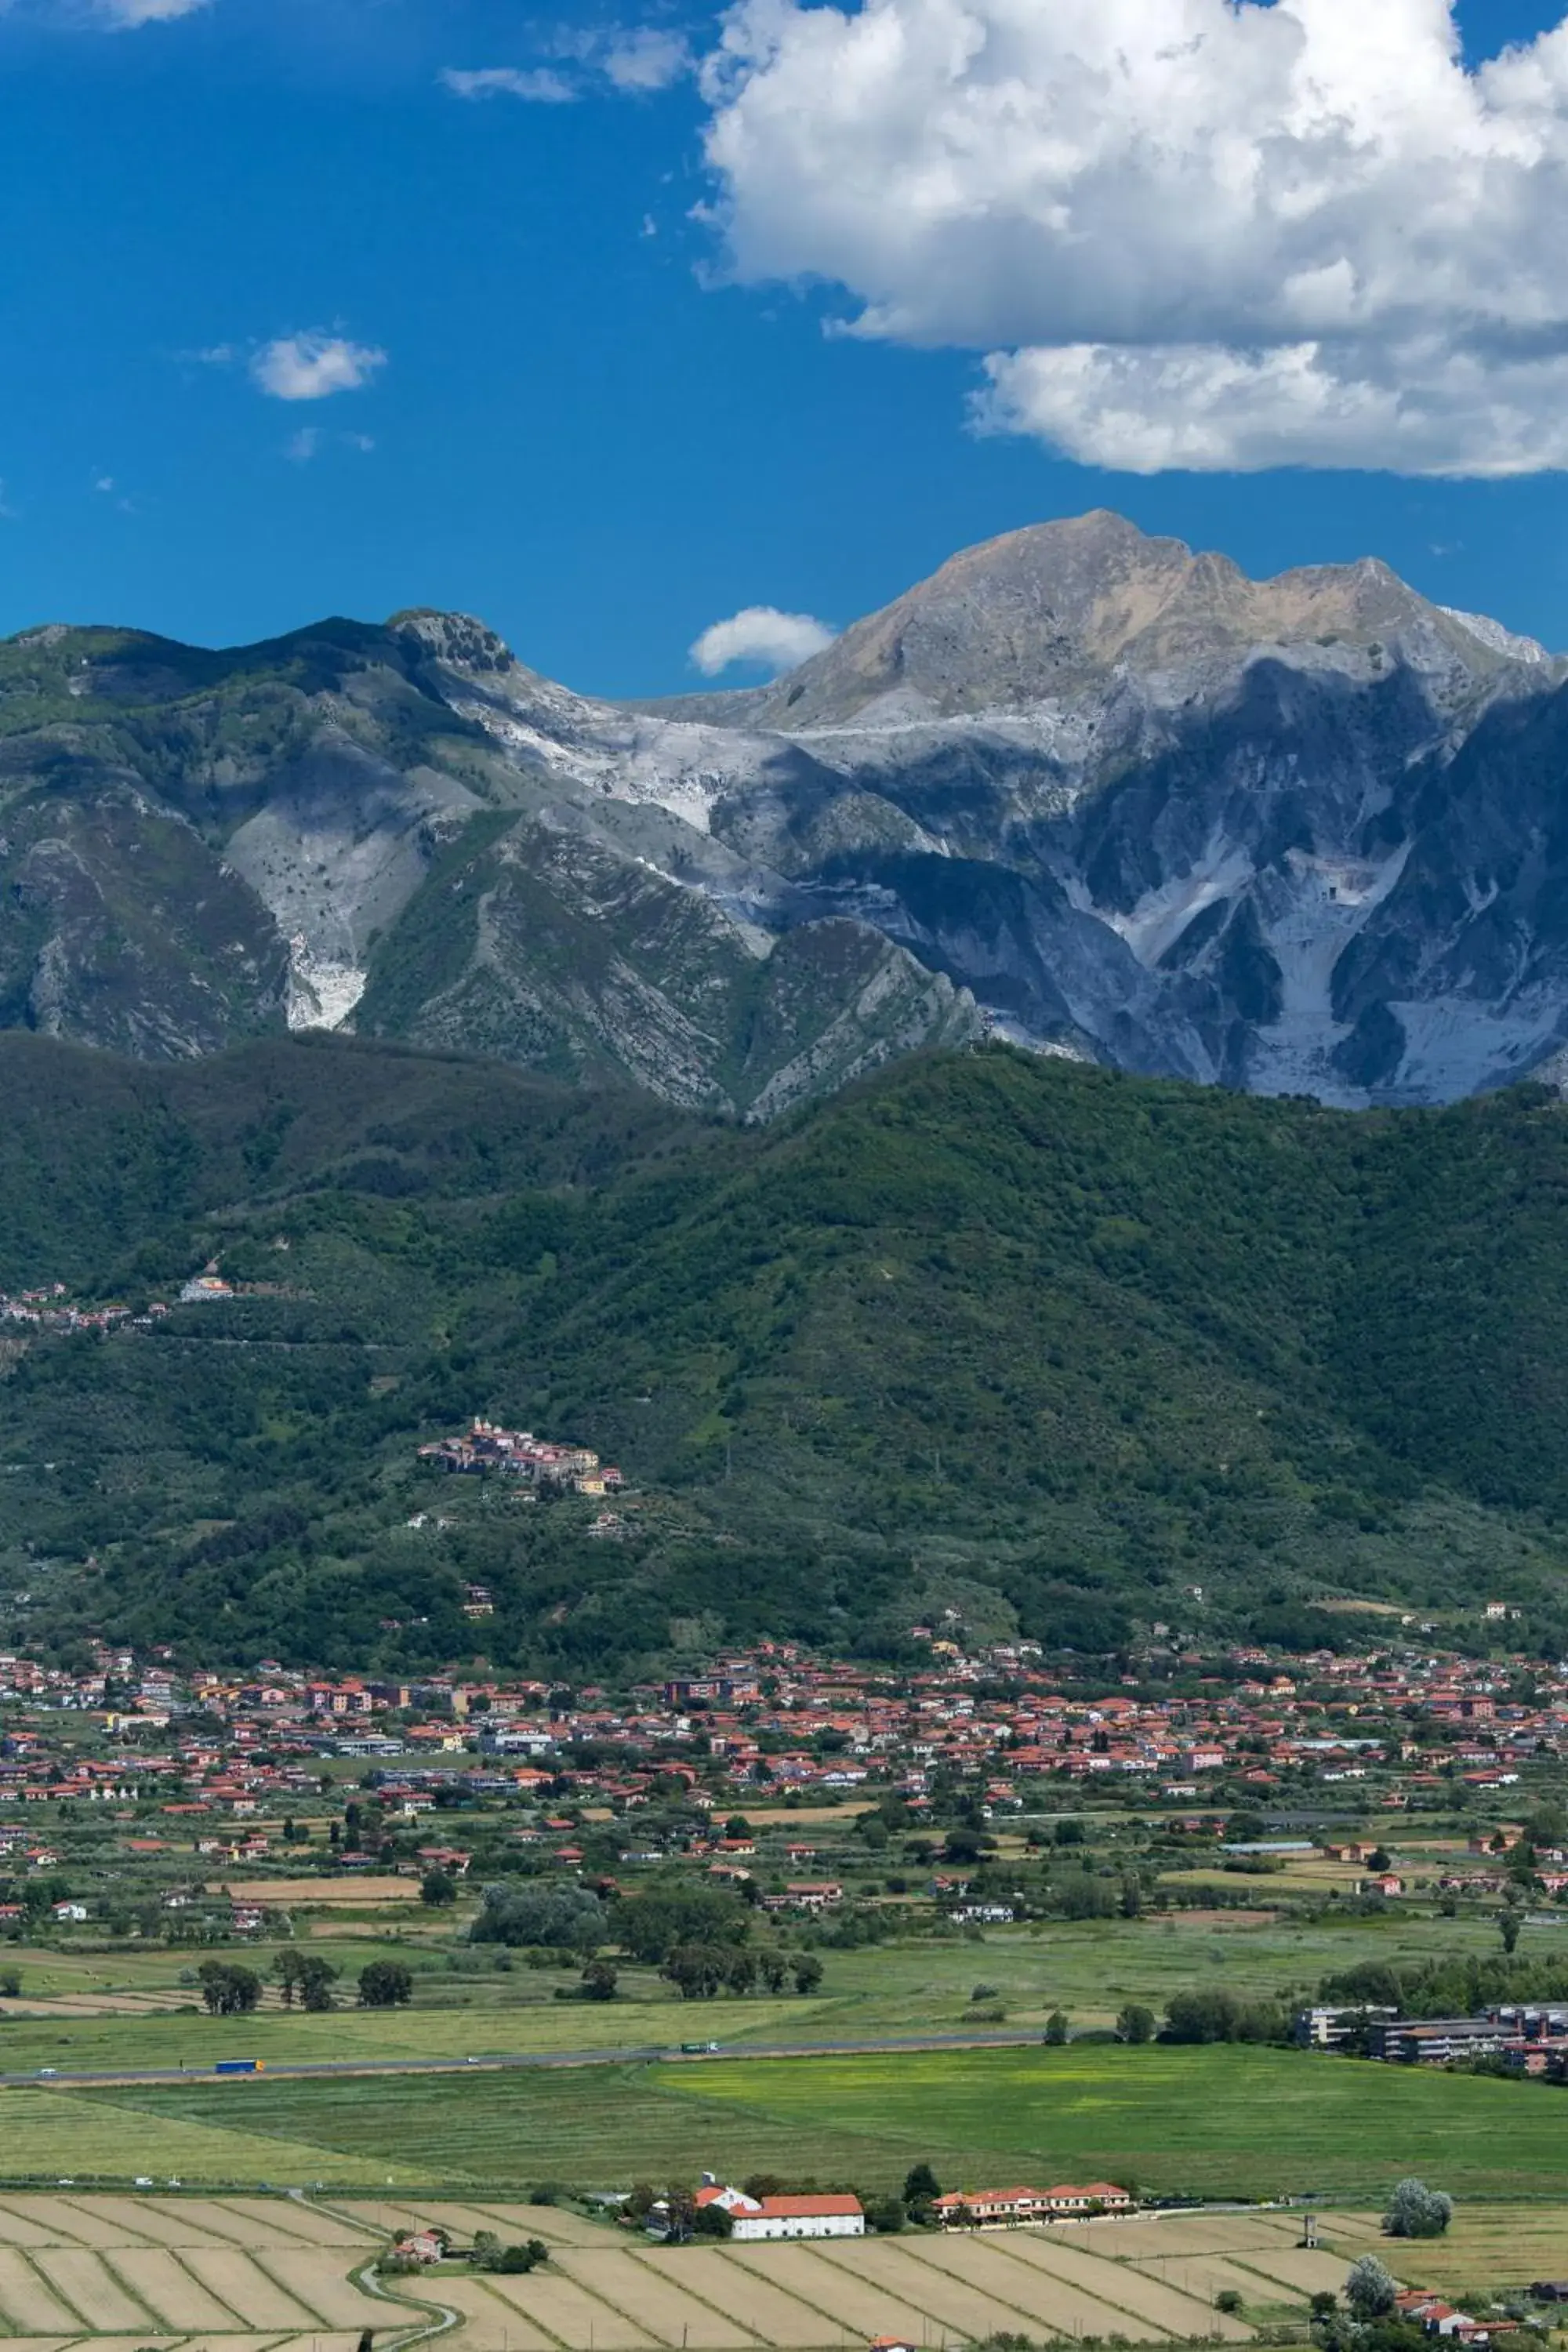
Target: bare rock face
x=1085, y=787
x=403, y=830
x=1292, y=834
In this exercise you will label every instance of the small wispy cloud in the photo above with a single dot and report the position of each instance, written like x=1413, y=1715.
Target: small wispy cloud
x=308, y=443
x=124, y=15
x=644, y=60
x=107, y=485
x=636, y=59
x=315, y=366
x=762, y=636
x=539, y=85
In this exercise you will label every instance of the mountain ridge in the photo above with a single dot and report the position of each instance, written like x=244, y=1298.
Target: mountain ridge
x=1089, y=789
x=1072, y=1354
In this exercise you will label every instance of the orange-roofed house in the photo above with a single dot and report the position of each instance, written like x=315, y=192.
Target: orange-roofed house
x=985, y=2207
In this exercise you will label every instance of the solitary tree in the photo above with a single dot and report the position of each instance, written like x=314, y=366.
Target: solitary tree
x=921, y=2187
x=437, y=1887
x=1370, y=2290
x=1136, y=2023
x=808, y=1969
x=1057, y=2028
x=385, y=1984
x=1416, y=2212
x=599, y=1980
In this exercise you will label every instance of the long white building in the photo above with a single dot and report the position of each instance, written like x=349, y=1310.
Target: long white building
x=786, y=2217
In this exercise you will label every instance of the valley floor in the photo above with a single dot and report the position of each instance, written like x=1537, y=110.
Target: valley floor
x=83, y=2273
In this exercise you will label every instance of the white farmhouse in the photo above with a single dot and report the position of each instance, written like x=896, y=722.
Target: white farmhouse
x=786, y=2217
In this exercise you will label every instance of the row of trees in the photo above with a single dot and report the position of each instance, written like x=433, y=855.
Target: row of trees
x=1456, y=1985
x=229, y=1990
x=702, y=1971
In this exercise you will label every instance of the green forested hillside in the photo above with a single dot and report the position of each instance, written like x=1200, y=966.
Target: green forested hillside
x=1025, y=1339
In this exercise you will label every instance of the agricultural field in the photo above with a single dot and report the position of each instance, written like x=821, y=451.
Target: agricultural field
x=363, y=1891
x=1483, y=2244
x=127, y=2008
x=1211, y=2122
x=81, y=2039
x=273, y=2274
x=1092, y=1968
x=250, y=2274
x=1225, y=2122
x=54, y=2135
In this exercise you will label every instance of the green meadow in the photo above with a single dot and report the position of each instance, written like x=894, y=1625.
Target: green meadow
x=1090, y=1969
x=1216, y=2122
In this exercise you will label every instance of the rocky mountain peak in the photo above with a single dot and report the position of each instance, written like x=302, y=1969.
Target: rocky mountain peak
x=1106, y=792
x=457, y=639
x=1054, y=610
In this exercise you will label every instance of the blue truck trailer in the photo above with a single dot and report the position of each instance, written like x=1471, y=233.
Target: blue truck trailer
x=241, y=2067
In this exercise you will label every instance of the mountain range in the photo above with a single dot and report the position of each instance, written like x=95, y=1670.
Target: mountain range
x=1083, y=788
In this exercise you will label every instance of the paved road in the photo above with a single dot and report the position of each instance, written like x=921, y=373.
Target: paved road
x=510, y=2061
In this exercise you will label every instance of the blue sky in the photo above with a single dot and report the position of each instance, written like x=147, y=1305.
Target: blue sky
x=593, y=382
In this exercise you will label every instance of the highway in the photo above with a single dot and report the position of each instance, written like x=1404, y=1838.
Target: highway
x=511, y=2061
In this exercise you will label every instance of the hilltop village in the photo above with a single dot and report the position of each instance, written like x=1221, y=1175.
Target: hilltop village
x=518, y=1454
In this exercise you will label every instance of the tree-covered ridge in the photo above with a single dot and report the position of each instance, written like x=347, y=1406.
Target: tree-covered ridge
x=1068, y=1353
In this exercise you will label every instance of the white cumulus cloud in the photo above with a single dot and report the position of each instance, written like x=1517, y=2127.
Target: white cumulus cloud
x=541, y=85
x=312, y=367
x=770, y=639
x=1183, y=233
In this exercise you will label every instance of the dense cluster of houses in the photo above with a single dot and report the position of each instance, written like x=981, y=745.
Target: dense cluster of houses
x=518, y=1454
x=222, y=1759
x=1407, y=1725
x=53, y=1308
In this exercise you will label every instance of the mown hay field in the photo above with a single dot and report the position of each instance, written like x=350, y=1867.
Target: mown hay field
x=608, y=2291
x=1484, y=2244
x=80, y=2272
x=369, y=1891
